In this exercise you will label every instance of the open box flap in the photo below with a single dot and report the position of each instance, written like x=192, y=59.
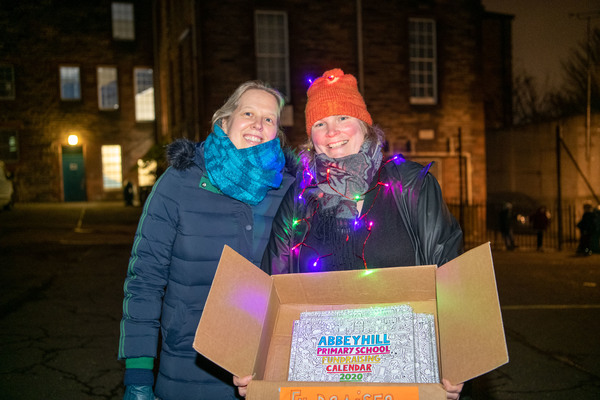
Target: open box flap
x=472, y=340
x=239, y=297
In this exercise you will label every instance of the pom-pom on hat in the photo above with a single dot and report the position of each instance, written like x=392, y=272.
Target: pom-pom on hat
x=335, y=93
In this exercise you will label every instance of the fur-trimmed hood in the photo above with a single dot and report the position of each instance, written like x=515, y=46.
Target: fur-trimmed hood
x=293, y=165
x=181, y=154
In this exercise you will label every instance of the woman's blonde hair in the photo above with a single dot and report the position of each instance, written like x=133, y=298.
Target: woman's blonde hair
x=233, y=101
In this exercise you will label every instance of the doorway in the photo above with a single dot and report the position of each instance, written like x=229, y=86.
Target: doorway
x=73, y=173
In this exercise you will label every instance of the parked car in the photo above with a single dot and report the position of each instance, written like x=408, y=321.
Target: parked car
x=7, y=192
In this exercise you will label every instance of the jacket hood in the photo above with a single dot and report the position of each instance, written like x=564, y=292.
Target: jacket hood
x=293, y=164
x=181, y=154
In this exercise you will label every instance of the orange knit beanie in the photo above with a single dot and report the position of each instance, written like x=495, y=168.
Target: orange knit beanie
x=334, y=93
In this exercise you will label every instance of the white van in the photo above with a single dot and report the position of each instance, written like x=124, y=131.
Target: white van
x=6, y=189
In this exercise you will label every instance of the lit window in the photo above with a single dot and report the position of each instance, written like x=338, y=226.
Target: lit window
x=272, y=55
x=9, y=146
x=108, y=95
x=70, y=85
x=144, y=94
x=423, y=80
x=123, y=25
x=7, y=82
x=111, y=167
x=146, y=172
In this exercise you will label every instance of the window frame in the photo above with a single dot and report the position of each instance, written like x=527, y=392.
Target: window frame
x=140, y=104
x=423, y=78
x=265, y=55
x=10, y=82
x=123, y=28
x=115, y=106
x=62, y=82
x=5, y=145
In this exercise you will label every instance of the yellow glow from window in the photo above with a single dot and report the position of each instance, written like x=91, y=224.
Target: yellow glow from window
x=111, y=167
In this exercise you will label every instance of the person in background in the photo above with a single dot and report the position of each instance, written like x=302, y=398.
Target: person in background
x=128, y=193
x=595, y=239
x=586, y=226
x=352, y=209
x=224, y=191
x=540, y=220
x=506, y=226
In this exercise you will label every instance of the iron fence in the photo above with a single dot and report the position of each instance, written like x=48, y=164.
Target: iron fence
x=479, y=224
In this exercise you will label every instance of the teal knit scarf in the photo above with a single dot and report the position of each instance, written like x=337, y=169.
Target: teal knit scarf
x=244, y=174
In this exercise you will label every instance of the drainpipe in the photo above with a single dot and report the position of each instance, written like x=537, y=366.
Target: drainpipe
x=558, y=190
x=198, y=91
x=158, y=131
x=359, y=40
x=460, y=182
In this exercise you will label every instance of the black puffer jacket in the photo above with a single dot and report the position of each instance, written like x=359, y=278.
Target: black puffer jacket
x=433, y=231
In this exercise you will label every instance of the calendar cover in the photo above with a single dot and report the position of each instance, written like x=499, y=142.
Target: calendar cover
x=377, y=344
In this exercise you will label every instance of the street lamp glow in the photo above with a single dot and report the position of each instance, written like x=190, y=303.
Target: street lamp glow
x=72, y=140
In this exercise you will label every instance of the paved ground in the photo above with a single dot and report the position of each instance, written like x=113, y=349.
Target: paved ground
x=61, y=274
x=551, y=312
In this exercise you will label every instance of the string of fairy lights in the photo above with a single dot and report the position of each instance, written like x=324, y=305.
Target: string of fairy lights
x=309, y=181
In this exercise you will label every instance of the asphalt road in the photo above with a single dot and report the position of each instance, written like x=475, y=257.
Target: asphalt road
x=61, y=274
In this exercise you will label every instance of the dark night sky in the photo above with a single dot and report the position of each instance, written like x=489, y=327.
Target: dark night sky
x=543, y=34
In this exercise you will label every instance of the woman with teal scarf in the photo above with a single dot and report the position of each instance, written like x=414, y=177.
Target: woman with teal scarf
x=224, y=191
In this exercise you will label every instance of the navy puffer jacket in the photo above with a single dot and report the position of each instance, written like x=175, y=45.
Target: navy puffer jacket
x=185, y=223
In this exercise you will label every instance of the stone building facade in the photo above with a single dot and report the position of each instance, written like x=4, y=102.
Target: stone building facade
x=53, y=59
x=434, y=74
x=205, y=49
x=496, y=36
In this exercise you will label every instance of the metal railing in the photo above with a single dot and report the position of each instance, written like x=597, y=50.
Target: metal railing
x=479, y=224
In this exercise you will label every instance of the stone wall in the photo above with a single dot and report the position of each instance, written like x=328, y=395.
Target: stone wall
x=325, y=35
x=43, y=36
x=523, y=160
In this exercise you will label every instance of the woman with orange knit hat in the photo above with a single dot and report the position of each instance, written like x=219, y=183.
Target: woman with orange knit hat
x=350, y=208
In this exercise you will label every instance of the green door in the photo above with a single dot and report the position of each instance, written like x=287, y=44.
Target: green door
x=73, y=173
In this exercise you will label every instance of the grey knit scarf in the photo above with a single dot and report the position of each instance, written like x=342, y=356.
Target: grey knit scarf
x=348, y=178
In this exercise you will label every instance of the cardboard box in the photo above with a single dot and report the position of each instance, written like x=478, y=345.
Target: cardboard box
x=246, y=326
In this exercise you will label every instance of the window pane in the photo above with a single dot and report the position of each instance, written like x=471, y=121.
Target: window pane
x=70, y=87
x=423, y=83
x=111, y=167
x=108, y=96
x=123, y=21
x=7, y=82
x=144, y=94
x=272, y=63
x=9, y=146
